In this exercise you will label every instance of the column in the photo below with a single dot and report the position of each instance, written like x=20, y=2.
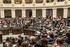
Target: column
x=66, y=1
x=1, y=1
x=54, y=12
x=1, y=10
x=34, y=1
x=44, y=1
x=23, y=13
x=34, y=13
x=12, y=1
x=55, y=1
x=65, y=12
x=23, y=2
x=43, y=13
x=2, y=14
x=13, y=13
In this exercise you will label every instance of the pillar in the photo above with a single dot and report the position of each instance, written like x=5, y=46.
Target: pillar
x=34, y=1
x=23, y=13
x=54, y=12
x=65, y=13
x=34, y=13
x=23, y=2
x=43, y=13
x=55, y=1
x=2, y=14
x=44, y=1
x=12, y=1
x=13, y=13
x=66, y=0
x=1, y=2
